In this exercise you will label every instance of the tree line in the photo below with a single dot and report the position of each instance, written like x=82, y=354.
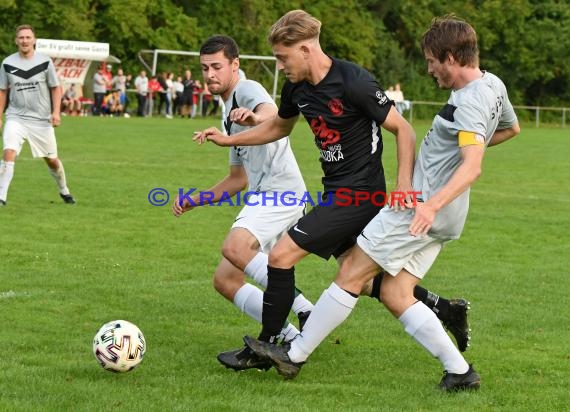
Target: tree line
x=525, y=42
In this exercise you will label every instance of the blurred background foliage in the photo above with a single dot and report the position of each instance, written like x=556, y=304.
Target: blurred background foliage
x=525, y=42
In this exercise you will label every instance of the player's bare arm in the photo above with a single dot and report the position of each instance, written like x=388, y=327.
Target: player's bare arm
x=245, y=117
x=56, y=106
x=235, y=181
x=501, y=136
x=3, y=96
x=269, y=131
x=465, y=175
x=406, y=153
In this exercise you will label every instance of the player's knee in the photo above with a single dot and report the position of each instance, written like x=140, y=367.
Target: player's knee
x=280, y=258
x=53, y=163
x=219, y=283
x=231, y=251
x=276, y=260
x=227, y=284
x=395, y=297
x=9, y=155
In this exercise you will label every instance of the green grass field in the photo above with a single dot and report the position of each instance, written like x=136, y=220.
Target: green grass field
x=67, y=270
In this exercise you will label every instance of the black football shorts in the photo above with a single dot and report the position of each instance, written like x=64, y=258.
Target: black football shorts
x=331, y=227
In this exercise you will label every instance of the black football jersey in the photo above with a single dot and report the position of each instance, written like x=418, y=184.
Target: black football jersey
x=345, y=111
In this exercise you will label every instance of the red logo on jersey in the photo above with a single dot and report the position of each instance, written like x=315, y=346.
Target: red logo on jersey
x=335, y=106
x=323, y=133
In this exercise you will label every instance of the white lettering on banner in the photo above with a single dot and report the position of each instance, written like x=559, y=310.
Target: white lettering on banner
x=73, y=49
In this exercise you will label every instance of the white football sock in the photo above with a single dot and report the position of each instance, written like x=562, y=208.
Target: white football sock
x=249, y=299
x=6, y=175
x=301, y=304
x=423, y=325
x=59, y=177
x=332, y=308
x=257, y=270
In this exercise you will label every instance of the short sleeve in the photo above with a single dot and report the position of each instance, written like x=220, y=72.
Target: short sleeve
x=287, y=109
x=3, y=78
x=52, y=78
x=366, y=94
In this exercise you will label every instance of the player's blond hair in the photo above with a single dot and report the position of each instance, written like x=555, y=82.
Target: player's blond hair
x=293, y=27
x=452, y=35
x=24, y=27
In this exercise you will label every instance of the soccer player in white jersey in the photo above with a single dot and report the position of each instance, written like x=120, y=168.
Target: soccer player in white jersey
x=406, y=243
x=33, y=111
x=269, y=171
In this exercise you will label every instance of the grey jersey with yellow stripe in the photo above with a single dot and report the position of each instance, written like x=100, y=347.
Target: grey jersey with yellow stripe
x=29, y=82
x=471, y=116
x=271, y=167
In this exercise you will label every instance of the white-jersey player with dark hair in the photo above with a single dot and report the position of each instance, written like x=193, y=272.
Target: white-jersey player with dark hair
x=33, y=111
x=268, y=171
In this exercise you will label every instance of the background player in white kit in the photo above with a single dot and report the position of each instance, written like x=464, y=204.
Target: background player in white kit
x=33, y=111
x=270, y=168
x=406, y=243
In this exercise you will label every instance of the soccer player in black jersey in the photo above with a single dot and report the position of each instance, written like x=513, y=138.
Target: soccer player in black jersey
x=345, y=108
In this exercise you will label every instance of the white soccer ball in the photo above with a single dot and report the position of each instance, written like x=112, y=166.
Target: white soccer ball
x=119, y=346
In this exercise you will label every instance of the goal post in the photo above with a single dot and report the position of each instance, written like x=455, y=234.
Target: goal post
x=156, y=52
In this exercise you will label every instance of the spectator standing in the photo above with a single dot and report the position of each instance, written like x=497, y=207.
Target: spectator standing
x=188, y=94
x=128, y=86
x=178, y=96
x=169, y=94
x=398, y=96
x=206, y=99
x=154, y=89
x=196, y=97
x=108, y=75
x=141, y=84
x=99, y=90
x=161, y=94
x=119, y=82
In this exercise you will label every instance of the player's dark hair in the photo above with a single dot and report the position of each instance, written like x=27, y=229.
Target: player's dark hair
x=452, y=35
x=220, y=42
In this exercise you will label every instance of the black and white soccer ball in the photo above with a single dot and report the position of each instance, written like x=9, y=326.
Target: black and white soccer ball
x=119, y=346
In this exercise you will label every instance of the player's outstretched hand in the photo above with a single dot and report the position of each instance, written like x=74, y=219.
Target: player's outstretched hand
x=211, y=134
x=178, y=208
x=243, y=117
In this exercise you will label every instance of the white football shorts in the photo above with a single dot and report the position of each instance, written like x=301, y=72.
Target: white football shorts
x=41, y=139
x=387, y=241
x=267, y=222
